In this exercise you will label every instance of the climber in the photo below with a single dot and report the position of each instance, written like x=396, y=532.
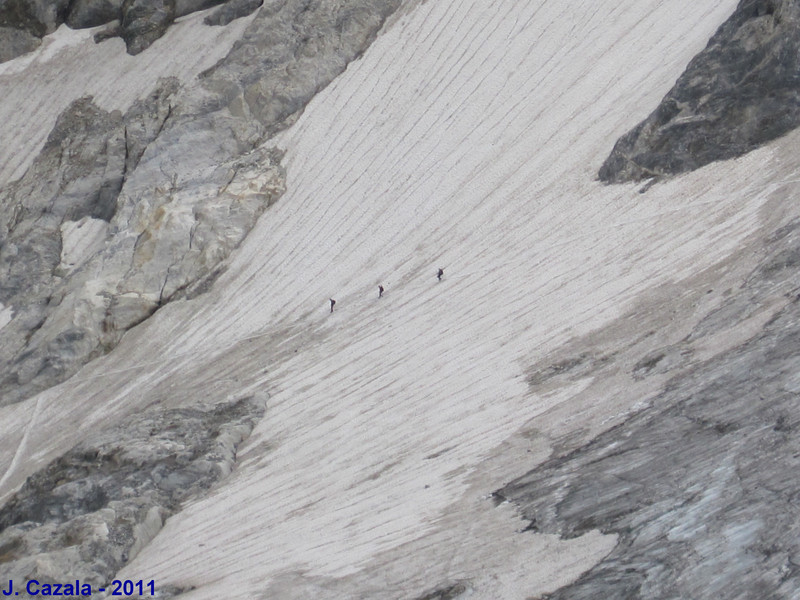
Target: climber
x=439, y=274
x=332, y=303
x=380, y=291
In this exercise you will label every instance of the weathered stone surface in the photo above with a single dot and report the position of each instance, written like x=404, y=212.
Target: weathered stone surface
x=16, y=42
x=232, y=10
x=38, y=17
x=185, y=7
x=90, y=511
x=75, y=180
x=318, y=39
x=91, y=13
x=742, y=91
x=446, y=592
x=108, y=33
x=141, y=22
x=144, y=21
x=78, y=174
x=698, y=486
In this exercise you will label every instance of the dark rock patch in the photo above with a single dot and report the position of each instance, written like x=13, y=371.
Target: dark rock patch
x=78, y=175
x=92, y=510
x=185, y=7
x=698, y=486
x=326, y=34
x=741, y=92
x=232, y=10
x=108, y=33
x=38, y=17
x=91, y=13
x=15, y=42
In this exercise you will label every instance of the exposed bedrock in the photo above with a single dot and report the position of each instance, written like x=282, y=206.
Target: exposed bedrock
x=14, y=42
x=120, y=214
x=24, y=22
x=232, y=10
x=699, y=486
x=84, y=260
x=91, y=13
x=38, y=17
x=144, y=21
x=92, y=510
x=318, y=38
x=742, y=91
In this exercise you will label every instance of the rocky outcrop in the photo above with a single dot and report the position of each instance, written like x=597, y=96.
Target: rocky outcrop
x=92, y=510
x=698, y=487
x=121, y=214
x=24, y=22
x=82, y=263
x=15, y=42
x=38, y=17
x=71, y=190
x=144, y=21
x=91, y=13
x=232, y=10
x=446, y=592
x=742, y=91
x=318, y=39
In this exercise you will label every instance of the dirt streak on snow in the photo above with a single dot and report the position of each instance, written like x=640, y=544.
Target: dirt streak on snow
x=467, y=137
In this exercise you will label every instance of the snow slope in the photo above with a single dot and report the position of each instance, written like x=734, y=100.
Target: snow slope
x=467, y=137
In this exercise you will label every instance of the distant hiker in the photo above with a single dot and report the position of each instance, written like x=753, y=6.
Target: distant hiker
x=332, y=303
x=380, y=291
x=439, y=274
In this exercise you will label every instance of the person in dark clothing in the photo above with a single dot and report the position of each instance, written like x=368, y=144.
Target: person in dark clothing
x=380, y=291
x=439, y=274
x=332, y=303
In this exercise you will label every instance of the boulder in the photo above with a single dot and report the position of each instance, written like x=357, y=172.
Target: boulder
x=91, y=13
x=144, y=21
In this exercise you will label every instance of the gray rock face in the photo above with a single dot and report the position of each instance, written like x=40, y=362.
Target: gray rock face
x=447, y=592
x=15, y=42
x=24, y=22
x=742, y=91
x=144, y=21
x=232, y=10
x=699, y=487
x=38, y=17
x=75, y=180
x=185, y=7
x=92, y=510
x=91, y=13
x=318, y=38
